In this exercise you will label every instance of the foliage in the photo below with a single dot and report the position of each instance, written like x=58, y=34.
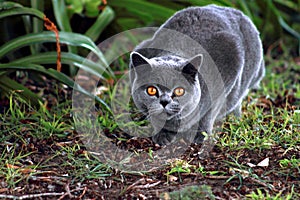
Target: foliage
x=277, y=20
x=36, y=60
x=21, y=160
x=190, y=193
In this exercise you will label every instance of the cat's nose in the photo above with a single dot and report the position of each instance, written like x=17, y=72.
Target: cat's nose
x=164, y=103
x=164, y=100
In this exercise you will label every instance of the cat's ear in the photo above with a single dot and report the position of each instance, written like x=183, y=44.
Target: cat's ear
x=196, y=61
x=190, y=70
x=137, y=59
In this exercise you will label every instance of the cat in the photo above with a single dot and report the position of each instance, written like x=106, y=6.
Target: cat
x=195, y=70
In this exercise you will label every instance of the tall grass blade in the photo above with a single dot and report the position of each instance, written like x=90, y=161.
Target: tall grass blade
x=66, y=58
x=66, y=38
x=37, y=24
x=21, y=11
x=8, y=85
x=56, y=75
x=9, y=5
x=159, y=13
x=102, y=21
x=61, y=16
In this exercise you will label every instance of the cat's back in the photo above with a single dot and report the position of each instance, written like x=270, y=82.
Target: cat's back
x=201, y=22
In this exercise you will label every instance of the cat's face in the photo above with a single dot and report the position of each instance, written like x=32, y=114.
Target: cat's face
x=165, y=87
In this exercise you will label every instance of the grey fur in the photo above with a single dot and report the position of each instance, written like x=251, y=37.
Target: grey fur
x=222, y=45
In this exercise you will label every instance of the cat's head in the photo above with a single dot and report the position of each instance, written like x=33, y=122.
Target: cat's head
x=165, y=87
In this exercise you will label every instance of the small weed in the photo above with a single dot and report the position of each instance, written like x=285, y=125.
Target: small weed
x=290, y=163
x=12, y=168
x=259, y=194
x=180, y=166
x=190, y=193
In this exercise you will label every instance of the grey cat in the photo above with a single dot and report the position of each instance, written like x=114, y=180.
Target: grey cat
x=195, y=70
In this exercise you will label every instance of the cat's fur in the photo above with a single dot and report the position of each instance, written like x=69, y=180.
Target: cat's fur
x=214, y=52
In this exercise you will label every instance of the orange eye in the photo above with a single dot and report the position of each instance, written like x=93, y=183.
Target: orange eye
x=151, y=91
x=179, y=91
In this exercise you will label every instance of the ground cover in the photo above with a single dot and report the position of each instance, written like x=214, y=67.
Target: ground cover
x=256, y=157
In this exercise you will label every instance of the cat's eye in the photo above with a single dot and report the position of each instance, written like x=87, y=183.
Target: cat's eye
x=151, y=90
x=179, y=91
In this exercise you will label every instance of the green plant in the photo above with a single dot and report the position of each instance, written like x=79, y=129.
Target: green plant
x=259, y=194
x=37, y=61
x=180, y=166
x=135, y=15
x=190, y=193
x=11, y=166
x=290, y=163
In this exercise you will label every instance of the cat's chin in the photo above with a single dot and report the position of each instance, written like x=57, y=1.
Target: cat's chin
x=166, y=116
x=172, y=116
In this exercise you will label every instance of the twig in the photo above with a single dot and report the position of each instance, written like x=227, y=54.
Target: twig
x=148, y=185
x=135, y=183
x=70, y=192
x=67, y=188
x=217, y=177
x=83, y=193
x=263, y=184
x=30, y=196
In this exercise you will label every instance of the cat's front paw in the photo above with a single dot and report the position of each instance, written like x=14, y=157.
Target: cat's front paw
x=199, y=138
x=163, y=138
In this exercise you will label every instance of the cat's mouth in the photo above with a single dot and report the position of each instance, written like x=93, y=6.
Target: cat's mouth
x=165, y=113
x=171, y=113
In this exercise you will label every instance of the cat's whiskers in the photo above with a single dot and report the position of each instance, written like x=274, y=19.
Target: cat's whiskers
x=154, y=111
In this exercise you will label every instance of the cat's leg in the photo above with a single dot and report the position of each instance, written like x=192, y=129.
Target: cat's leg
x=238, y=110
x=205, y=135
x=168, y=133
x=205, y=127
x=164, y=137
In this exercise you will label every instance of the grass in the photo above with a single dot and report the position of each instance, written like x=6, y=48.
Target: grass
x=41, y=147
x=42, y=140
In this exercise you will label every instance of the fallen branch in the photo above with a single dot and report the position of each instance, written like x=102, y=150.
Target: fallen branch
x=30, y=196
x=142, y=186
x=148, y=185
x=217, y=177
x=70, y=192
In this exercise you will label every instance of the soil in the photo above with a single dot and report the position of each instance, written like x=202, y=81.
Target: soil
x=54, y=181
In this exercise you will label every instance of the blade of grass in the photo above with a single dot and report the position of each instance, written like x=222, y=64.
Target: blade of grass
x=60, y=13
x=245, y=8
x=62, y=19
x=2, y=73
x=66, y=58
x=159, y=13
x=9, y=5
x=56, y=75
x=37, y=24
x=206, y=2
x=8, y=85
x=66, y=38
x=102, y=21
x=21, y=11
x=283, y=24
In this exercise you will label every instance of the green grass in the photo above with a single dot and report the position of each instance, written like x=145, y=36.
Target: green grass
x=262, y=127
x=43, y=141
x=37, y=142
